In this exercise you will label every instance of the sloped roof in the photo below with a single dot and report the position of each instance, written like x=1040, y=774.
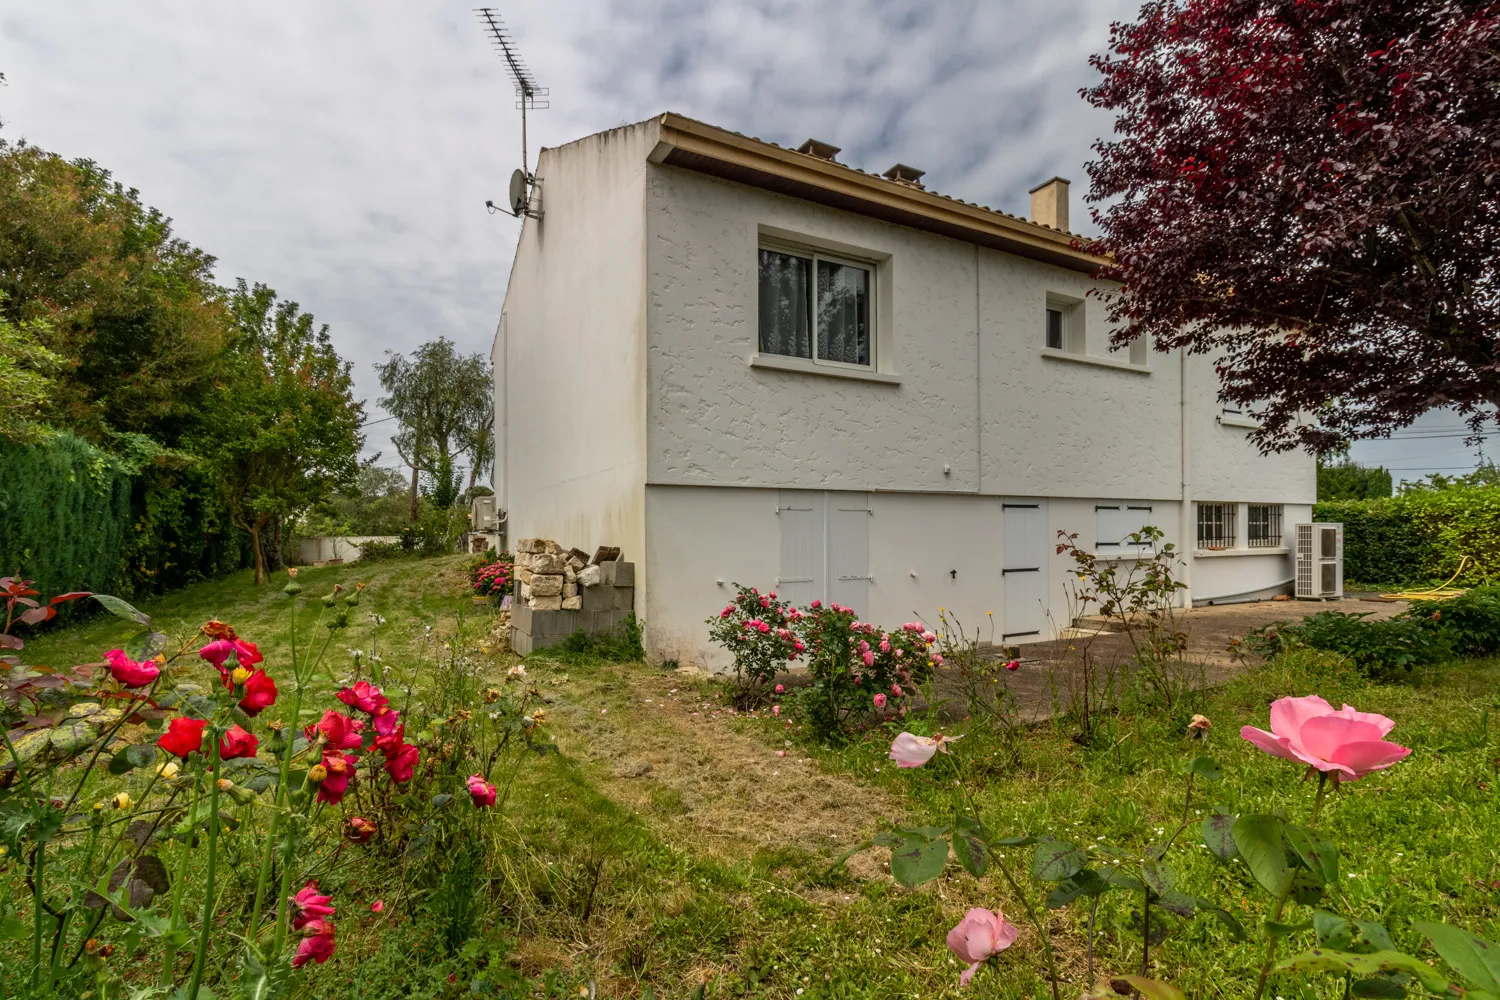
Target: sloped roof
x=694, y=145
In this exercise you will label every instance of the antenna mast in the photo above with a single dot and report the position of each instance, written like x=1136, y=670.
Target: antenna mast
x=527, y=91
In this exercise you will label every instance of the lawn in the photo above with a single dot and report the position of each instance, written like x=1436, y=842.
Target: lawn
x=673, y=843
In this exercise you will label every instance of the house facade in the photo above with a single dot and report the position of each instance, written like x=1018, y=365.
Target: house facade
x=744, y=363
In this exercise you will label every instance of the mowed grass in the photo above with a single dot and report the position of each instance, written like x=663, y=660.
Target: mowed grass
x=572, y=885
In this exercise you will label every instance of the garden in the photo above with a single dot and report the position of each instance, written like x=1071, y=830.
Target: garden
x=344, y=785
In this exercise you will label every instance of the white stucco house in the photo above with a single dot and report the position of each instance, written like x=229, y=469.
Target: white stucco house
x=742, y=362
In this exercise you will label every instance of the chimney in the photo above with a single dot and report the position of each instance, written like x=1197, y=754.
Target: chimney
x=1049, y=203
x=822, y=150
x=902, y=174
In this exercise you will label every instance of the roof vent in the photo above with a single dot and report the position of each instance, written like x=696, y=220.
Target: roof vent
x=902, y=174
x=822, y=150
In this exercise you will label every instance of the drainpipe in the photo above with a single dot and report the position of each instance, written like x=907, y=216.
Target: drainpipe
x=502, y=425
x=1188, y=532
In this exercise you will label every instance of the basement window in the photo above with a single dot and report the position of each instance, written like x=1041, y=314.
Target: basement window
x=1263, y=526
x=1216, y=525
x=816, y=307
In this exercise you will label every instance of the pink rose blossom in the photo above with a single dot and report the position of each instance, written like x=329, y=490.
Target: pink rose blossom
x=816, y=604
x=772, y=595
x=885, y=645
x=1345, y=743
x=869, y=658
x=937, y=659
x=880, y=701
x=900, y=652
x=979, y=935
x=775, y=709
x=1013, y=665
x=896, y=690
x=131, y=673
x=481, y=791
x=908, y=750
x=780, y=689
x=378, y=906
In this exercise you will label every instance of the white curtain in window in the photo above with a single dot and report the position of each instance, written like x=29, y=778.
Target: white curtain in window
x=784, y=304
x=843, y=313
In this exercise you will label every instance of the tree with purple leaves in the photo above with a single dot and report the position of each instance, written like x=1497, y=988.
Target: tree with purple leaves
x=1307, y=190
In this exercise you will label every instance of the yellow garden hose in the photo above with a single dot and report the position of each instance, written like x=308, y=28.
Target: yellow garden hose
x=1442, y=593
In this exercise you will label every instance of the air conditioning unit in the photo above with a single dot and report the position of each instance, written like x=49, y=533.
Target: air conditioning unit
x=1320, y=562
x=484, y=513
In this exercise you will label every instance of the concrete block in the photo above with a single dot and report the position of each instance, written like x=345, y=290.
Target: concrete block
x=598, y=598
x=589, y=576
x=520, y=617
x=546, y=586
x=617, y=574
x=553, y=603
x=520, y=642
x=548, y=563
x=572, y=603
x=624, y=598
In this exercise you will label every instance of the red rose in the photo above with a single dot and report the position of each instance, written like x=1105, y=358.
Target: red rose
x=317, y=946
x=401, y=764
x=183, y=736
x=341, y=732
x=260, y=693
x=340, y=768
x=236, y=743
x=308, y=905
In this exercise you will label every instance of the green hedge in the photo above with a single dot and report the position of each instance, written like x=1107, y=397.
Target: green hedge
x=76, y=517
x=1419, y=537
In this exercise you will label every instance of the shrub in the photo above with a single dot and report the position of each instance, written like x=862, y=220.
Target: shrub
x=492, y=575
x=1470, y=622
x=1378, y=648
x=858, y=669
x=376, y=551
x=759, y=630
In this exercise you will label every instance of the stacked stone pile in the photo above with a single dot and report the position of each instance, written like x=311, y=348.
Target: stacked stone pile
x=552, y=578
x=561, y=590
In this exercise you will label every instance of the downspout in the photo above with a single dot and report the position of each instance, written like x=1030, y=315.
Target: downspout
x=502, y=429
x=1188, y=532
x=978, y=384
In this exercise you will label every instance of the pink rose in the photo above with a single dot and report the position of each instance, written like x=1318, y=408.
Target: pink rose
x=131, y=673
x=869, y=658
x=780, y=689
x=1013, y=665
x=979, y=935
x=880, y=701
x=909, y=750
x=1345, y=743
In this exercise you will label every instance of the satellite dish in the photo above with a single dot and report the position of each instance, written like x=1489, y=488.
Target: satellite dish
x=518, y=192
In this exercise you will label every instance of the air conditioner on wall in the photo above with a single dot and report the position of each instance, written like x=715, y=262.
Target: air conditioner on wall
x=1320, y=562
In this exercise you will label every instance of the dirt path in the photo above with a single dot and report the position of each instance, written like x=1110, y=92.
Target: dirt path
x=669, y=750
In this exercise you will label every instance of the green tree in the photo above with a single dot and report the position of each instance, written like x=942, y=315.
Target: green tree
x=439, y=397
x=281, y=429
x=1346, y=480
x=132, y=310
x=26, y=383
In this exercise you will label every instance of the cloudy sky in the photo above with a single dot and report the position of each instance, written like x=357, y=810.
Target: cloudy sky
x=342, y=152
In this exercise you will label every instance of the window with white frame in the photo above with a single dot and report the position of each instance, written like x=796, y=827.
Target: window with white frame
x=1216, y=525
x=1263, y=526
x=816, y=306
x=1063, y=324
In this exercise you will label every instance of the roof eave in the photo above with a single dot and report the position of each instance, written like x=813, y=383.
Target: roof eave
x=694, y=145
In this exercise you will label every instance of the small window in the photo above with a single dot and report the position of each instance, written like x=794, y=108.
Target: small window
x=1263, y=526
x=1055, y=329
x=815, y=307
x=1216, y=525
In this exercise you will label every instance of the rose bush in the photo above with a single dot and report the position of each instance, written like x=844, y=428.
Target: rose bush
x=221, y=776
x=761, y=632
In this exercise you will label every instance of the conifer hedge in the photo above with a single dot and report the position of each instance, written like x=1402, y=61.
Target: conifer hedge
x=76, y=517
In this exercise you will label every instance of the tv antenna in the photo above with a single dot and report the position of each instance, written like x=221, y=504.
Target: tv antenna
x=522, y=182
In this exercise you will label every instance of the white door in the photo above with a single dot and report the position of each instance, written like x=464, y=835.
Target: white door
x=849, y=550
x=803, y=560
x=1025, y=571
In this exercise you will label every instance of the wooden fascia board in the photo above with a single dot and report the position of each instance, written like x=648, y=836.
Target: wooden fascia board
x=878, y=196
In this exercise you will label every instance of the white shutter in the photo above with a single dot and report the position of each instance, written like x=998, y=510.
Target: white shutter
x=849, y=550
x=801, y=513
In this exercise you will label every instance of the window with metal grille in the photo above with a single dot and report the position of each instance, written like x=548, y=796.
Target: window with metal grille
x=1263, y=526
x=1216, y=525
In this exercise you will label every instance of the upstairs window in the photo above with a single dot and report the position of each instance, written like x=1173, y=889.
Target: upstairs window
x=815, y=307
x=1054, y=328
